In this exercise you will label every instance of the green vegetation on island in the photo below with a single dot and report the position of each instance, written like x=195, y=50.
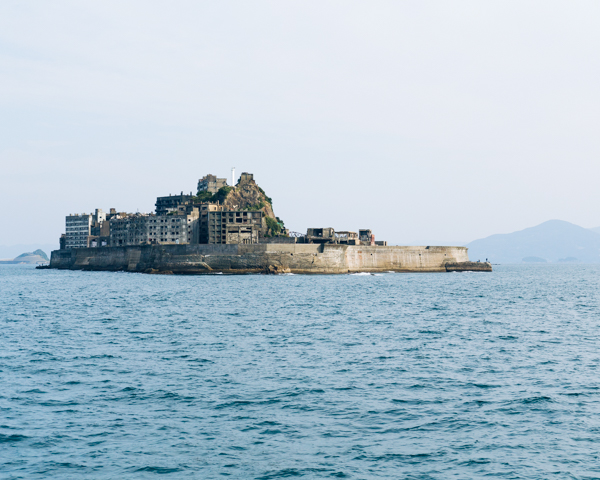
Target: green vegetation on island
x=247, y=196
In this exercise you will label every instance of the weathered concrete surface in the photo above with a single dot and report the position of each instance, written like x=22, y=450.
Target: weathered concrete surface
x=259, y=258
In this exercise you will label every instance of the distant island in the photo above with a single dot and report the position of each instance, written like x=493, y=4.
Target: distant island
x=534, y=260
x=554, y=241
x=36, y=257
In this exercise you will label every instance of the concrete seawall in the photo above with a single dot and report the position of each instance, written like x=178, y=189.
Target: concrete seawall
x=257, y=258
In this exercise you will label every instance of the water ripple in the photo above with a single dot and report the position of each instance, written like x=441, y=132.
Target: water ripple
x=116, y=375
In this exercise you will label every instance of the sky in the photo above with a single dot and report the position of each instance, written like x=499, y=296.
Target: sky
x=425, y=121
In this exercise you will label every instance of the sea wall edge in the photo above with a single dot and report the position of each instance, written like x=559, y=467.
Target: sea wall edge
x=257, y=258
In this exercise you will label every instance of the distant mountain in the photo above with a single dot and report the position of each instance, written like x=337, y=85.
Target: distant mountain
x=568, y=260
x=595, y=229
x=8, y=252
x=534, y=260
x=37, y=253
x=552, y=241
x=30, y=257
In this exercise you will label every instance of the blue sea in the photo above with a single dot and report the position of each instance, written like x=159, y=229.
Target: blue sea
x=403, y=376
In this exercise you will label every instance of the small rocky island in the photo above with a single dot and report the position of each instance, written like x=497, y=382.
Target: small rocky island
x=233, y=229
x=32, y=258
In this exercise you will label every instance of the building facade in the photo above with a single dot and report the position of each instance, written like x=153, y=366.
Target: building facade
x=234, y=227
x=149, y=229
x=347, y=238
x=129, y=230
x=210, y=183
x=246, y=177
x=320, y=235
x=78, y=230
x=173, y=229
x=366, y=236
x=202, y=225
x=329, y=235
x=82, y=229
x=172, y=203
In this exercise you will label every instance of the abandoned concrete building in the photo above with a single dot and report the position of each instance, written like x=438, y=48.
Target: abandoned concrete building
x=329, y=235
x=234, y=227
x=150, y=229
x=246, y=177
x=347, y=238
x=78, y=230
x=165, y=205
x=130, y=230
x=205, y=209
x=209, y=225
x=210, y=183
x=82, y=229
x=320, y=235
x=366, y=236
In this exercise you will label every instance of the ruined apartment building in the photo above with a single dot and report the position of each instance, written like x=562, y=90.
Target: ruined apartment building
x=234, y=227
x=171, y=203
x=81, y=229
x=204, y=209
x=210, y=183
x=144, y=229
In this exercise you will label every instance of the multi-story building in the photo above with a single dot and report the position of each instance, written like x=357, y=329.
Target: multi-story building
x=210, y=183
x=100, y=226
x=202, y=225
x=234, y=227
x=77, y=230
x=129, y=230
x=81, y=229
x=178, y=229
x=171, y=203
x=144, y=229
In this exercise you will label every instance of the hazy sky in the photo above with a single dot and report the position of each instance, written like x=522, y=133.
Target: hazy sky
x=422, y=120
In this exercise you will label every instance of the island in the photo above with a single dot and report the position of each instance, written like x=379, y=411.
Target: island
x=30, y=258
x=233, y=229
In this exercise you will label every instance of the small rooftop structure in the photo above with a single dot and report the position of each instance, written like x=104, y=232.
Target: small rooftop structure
x=246, y=177
x=347, y=238
x=366, y=236
x=329, y=235
x=320, y=235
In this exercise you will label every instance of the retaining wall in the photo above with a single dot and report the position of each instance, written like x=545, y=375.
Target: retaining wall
x=298, y=258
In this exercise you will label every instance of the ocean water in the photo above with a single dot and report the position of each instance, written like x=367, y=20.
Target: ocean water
x=420, y=376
